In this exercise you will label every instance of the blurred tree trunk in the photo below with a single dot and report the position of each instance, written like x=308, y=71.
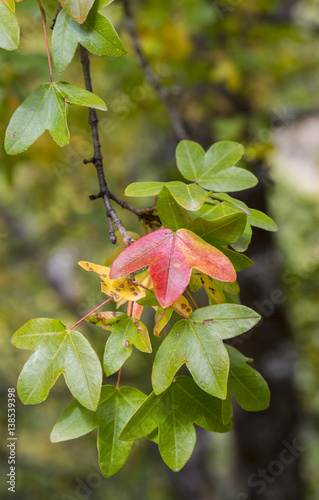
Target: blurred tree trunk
x=264, y=469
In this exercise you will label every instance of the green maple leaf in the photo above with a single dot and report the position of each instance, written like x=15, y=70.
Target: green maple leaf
x=214, y=170
x=174, y=412
x=96, y=34
x=57, y=351
x=198, y=342
x=115, y=408
x=46, y=109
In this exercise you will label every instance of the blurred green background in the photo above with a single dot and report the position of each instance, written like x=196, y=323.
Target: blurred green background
x=237, y=70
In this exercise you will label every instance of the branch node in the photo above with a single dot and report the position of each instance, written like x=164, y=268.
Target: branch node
x=96, y=196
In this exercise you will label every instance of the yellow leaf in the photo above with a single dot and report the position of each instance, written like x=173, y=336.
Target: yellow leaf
x=118, y=288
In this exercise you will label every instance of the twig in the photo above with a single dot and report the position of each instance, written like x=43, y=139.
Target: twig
x=46, y=39
x=176, y=120
x=146, y=214
x=97, y=160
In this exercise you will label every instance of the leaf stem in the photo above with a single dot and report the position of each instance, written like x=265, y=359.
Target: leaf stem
x=97, y=160
x=118, y=379
x=46, y=39
x=89, y=314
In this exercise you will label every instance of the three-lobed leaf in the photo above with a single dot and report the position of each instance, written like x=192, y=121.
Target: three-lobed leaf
x=174, y=413
x=57, y=350
x=96, y=34
x=198, y=343
x=171, y=257
x=115, y=408
x=214, y=170
x=46, y=109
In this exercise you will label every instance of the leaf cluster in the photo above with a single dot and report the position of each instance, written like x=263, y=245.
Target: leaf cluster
x=190, y=252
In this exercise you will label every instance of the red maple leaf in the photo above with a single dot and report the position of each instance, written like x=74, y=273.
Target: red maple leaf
x=171, y=257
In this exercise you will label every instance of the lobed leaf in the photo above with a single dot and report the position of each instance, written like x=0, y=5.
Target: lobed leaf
x=171, y=257
x=174, y=413
x=57, y=351
x=214, y=170
x=96, y=34
x=115, y=408
x=46, y=109
x=197, y=342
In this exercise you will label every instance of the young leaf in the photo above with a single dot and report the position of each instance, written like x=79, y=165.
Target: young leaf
x=189, y=196
x=115, y=408
x=126, y=332
x=77, y=9
x=249, y=387
x=9, y=27
x=118, y=288
x=46, y=109
x=96, y=34
x=171, y=257
x=57, y=351
x=214, y=169
x=174, y=413
x=197, y=342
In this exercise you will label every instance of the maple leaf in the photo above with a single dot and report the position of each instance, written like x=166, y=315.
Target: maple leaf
x=174, y=412
x=115, y=408
x=171, y=257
